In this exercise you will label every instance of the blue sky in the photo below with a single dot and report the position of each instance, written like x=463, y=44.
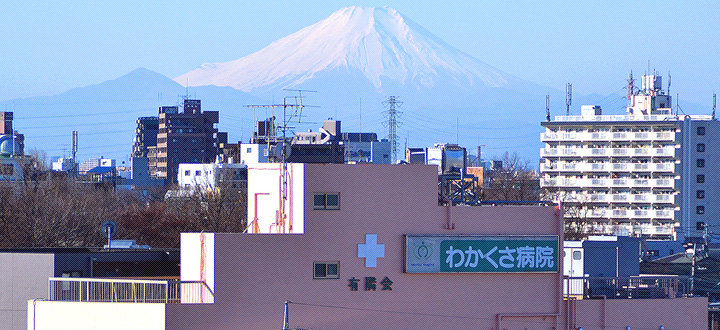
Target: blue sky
x=49, y=47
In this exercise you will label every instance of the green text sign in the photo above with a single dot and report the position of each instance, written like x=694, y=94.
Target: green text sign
x=481, y=254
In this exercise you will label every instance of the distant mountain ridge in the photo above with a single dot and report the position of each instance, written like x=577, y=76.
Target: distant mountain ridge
x=104, y=114
x=354, y=59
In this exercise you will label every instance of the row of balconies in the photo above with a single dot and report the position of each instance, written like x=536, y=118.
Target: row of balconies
x=607, y=136
x=608, y=152
x=634, y=214
x=608, y=183
x=608, y=167
x=625, y=198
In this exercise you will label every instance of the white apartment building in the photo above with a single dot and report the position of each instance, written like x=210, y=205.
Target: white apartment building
x=649, y=173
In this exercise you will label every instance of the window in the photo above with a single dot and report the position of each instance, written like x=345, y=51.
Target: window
x=187, y=172
x=577, y=255
x=700, y=209
x=198, y=173
x=701, y=147
x=322, y=270
x=249, y=150
x=700, y=178
x=700, y=162
x=700, y=194
x=701, y=130
x=329, y=201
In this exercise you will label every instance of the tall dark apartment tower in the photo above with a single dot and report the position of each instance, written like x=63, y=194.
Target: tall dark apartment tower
x=189, y=136
x=145, y=136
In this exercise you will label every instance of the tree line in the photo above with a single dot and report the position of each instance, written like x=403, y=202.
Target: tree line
x=48, y=210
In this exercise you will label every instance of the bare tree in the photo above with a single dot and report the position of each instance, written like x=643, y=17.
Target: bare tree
x=513, y=180
x=577, y=210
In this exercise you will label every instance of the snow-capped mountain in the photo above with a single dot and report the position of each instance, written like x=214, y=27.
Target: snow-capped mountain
x=378, y=43
x=358, y=56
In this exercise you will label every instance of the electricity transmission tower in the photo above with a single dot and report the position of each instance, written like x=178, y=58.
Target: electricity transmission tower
x=392, y=103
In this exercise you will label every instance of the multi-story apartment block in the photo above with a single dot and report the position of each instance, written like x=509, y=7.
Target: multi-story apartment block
x=648, y=173
x=189, y=136
x=145, y=135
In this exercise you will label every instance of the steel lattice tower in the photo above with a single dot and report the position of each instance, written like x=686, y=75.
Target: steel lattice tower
x=392, y=124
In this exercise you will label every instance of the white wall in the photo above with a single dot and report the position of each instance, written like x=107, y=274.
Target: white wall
x=23, y=276
x=264, y=189
x=206, y=179
x=253, y=153
x=58, y=315
x=196, y=265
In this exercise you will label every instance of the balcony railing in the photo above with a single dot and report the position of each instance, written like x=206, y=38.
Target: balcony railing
x=605, y=152
x=615, y=183
x=607, y=167
x=607, y=136
x=130, y=291
x=634, y=287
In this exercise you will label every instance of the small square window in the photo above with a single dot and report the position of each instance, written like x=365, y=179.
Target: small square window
x=198, y=173
x=700, y=209
x=700, y=178
x=700, y=162
x=319, y=201
x=700, y=194
x=332, y=201
x=701, y=147
x=329, y=201
x=577, y=255
x=701, y=130
x=187, y=172
x=324, y=270
x=249, y=150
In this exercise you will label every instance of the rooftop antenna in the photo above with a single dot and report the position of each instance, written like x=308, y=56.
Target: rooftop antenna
x=284, y=148
x=714, y=103
x=547, y=107
x=13, y=130
x=568, y=97
x=392, y=114
x=457, y=130
x=360, y=115
x=669, y=82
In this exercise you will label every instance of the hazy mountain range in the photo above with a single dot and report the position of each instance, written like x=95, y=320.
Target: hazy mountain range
x=353, y=59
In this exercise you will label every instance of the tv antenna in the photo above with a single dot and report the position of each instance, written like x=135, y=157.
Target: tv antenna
x=290, y=110
x=392, y=114
x=547, y=107
x=568, y=97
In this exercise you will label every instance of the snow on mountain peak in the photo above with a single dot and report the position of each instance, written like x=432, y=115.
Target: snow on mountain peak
x=378, y=42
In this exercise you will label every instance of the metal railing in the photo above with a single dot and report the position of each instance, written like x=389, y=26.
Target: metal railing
x=131, y=291
x=634, y=287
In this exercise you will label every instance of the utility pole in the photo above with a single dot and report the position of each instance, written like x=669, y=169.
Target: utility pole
x=392, y=114
x=286, y=317
x=74, y=153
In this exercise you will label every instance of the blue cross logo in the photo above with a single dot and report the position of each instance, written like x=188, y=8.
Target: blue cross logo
x=371, y=250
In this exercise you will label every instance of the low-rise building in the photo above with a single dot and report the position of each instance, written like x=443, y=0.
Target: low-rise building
x=358, y=246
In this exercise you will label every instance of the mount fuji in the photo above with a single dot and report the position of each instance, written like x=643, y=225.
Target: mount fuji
x=358, y=56
x=377, y=43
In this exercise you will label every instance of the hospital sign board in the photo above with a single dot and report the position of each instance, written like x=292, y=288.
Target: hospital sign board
x=481, y=254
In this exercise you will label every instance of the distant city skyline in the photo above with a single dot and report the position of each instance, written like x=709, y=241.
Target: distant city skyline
x=49, y=48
